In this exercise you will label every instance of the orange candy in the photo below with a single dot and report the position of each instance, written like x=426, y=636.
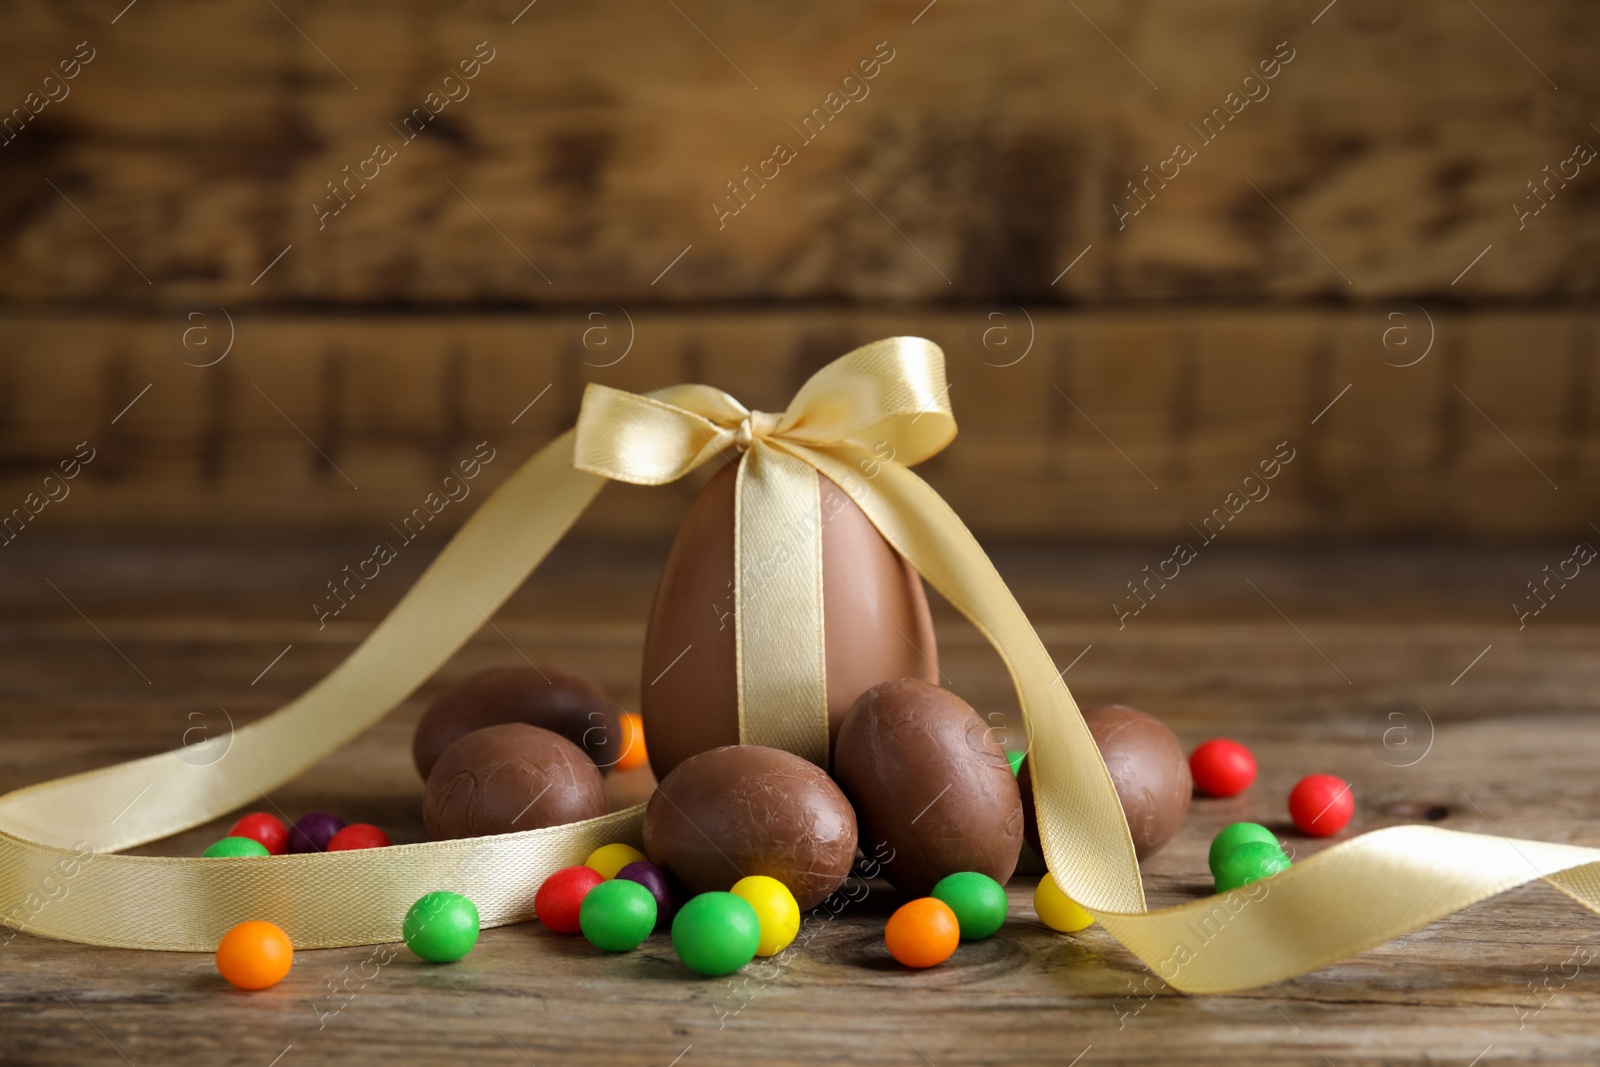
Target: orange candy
x=633, y=754
x=254, y=955
x=922, y=933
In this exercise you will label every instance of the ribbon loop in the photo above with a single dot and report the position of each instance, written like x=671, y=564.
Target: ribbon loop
x=889, y=397
x=652, y=440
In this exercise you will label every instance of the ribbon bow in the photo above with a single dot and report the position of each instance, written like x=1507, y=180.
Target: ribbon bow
x=889, y=394
x=861, y=421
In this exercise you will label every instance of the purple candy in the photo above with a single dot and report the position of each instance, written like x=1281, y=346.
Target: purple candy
x=313, y=830
x=659, y=882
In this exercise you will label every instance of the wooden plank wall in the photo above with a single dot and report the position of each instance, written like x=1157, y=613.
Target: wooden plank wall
x=1106, y=424
x=183, y=179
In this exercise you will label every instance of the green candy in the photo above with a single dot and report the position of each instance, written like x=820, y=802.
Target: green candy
x=236, y=846
x=617, y=915
x=1015, y=758
x=441, y=927
x=715, y=933
x=1250, y=862
x=1236, y=834
x=978, y=901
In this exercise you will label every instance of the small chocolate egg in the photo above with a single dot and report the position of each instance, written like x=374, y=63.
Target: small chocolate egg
x=510, y=777
x=929, y=780
x=741, y=810
x=1148, y=768
x=876, y=624
x=578, y=710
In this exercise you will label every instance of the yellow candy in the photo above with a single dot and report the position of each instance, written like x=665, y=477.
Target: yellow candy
x=1057, y=910
x=776, y=910
x=609, y=859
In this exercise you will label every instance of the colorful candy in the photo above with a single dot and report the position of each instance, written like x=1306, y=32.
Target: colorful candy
x=1015, y=759
x=775, y=908
x=235, y=846
x=659, y=882
x=978, y=901
x=559, y=901
x=313, y=830
x=1235, y=834
x=1321, y=805
x=358, y=835
x=1222, y=768
x=617, y=915
x=1249, y=862
x=1057, y=910
x=633, y=754
x=716, y=933
x=609, y=859
x=923, y=933
x=441, y=927
x=254, y=955
x=267, y=829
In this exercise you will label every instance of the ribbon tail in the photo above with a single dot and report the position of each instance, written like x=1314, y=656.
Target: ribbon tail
x=1341, y=901
x=70, y=824
x=1085, y=835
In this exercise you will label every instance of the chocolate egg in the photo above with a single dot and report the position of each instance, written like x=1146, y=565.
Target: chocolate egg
x=929, y=779
x=510, y=777
x=741, y=810
x=578, y=710
x=875, y=619
x=1148, y=768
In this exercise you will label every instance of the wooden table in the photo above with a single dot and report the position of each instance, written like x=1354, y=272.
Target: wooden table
x=1291, y=651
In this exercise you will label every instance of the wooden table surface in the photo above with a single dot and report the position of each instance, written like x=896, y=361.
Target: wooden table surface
x=141, y=631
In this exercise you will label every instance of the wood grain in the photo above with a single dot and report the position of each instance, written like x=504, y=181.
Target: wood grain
x=1103, y=425
x=1379, y=161
x=1512, y=751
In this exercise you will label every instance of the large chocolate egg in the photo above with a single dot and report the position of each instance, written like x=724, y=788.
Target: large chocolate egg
x=743, y=810
x=510, y=777
x=578, y=710
x=1147, y=767
x=875, y=618
x=929, y=780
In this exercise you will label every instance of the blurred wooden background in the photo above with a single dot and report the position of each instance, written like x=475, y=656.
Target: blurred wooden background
x=1349, y=238
x=260, y=318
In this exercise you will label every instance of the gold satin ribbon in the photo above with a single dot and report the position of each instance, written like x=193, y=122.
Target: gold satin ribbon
x=862, y=421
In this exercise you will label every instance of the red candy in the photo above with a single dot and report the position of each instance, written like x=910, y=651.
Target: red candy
x=1321, y=805
x=267, y=829
x=559, y=899
x=358, y=835
x=1222, y=768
